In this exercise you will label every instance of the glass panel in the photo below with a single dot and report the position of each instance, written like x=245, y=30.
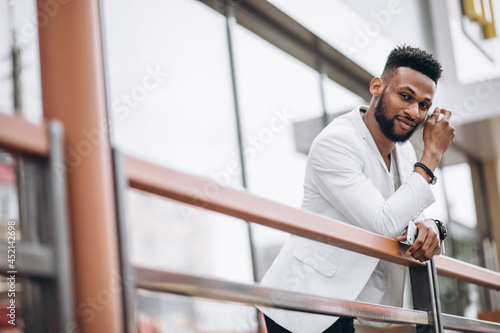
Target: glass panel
x=171, y=313
x=275, y=91
x=338, y=99
x=6, y=100
x=170, y=87
x=438, y=210
x=168, y=235
x=360, y=34
x=19, y=45
x=171, y=103
x=458, y=184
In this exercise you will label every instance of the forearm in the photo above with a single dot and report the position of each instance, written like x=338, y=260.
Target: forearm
x=364, y=207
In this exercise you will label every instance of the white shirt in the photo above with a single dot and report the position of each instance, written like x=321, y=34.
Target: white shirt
x=387, y=282
x=386, y=285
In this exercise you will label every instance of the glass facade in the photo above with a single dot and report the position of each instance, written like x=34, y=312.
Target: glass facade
x=174, y=106
x=6, y=87
x=20, y=86
x=19, y=94
x=458, y=183
x=173, y=99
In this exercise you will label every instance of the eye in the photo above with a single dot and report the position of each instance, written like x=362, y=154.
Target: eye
x=406, y=96
x=424, y=106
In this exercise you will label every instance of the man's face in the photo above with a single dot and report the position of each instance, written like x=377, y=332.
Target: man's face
x=404, y=104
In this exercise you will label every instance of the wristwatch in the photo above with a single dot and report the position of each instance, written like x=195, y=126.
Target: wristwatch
x=443, y=232
x=429, y=172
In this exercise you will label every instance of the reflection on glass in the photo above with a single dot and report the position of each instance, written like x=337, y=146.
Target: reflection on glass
x=168, y=235
x=464, y=241
x=275, y=90
x=170, y=313
x=172, y=104
x=347, y=26
x=338, y=99
x=20, y=86
x=458, y=183
x=170, y=86
x=439, y=209
x=6, y=100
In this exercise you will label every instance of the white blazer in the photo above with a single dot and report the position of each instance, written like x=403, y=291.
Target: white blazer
x=346, y=179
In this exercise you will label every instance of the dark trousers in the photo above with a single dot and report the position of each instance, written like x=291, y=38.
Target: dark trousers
x=343, y=325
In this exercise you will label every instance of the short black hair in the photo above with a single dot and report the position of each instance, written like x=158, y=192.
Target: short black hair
x=415, y=58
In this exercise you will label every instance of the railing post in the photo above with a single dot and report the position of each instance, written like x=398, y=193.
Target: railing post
x=128, y=279
x=60, y=228
x=73, y=92
x=426, y=296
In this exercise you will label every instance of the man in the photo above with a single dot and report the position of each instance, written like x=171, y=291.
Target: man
x=361, y=170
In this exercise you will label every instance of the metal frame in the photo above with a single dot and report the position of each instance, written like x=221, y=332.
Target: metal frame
x=207, y=194
x=33, y=260
x=274, y=26
x=423, y=289
x=190, y=189
x=18, y=134
x=196, y=286
x=59, y=219
x=457, y=323
x=128, y=275
x=43, y=256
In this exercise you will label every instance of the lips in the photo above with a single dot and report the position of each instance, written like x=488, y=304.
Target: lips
x=406, y=123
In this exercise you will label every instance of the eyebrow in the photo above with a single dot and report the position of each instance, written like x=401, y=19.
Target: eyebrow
x=414, y=93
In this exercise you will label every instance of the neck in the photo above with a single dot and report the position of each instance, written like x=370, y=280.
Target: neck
x=384, y=145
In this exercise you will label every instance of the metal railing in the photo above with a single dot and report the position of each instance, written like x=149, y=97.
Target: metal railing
x=200, y=192
x=42, y=255
x=45, y=256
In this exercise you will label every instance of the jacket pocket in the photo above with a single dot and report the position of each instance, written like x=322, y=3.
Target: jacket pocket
x=313, y=259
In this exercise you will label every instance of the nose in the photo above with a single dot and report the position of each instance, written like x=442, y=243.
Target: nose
x=412, y=111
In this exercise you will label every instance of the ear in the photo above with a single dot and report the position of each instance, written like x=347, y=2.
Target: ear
x=376, y=87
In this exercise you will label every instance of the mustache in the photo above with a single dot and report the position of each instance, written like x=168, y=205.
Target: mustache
x=407, y=120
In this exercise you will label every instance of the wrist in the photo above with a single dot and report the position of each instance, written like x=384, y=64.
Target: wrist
x=425, y=172
x=443, y=232
x=431, y=160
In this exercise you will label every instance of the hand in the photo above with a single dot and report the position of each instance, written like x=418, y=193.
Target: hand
x=438, y=136
x=427, y=243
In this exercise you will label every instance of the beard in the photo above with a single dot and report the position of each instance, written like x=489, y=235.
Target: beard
x=387, y=124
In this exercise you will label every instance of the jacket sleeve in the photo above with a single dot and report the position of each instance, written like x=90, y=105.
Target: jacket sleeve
x=337, y=174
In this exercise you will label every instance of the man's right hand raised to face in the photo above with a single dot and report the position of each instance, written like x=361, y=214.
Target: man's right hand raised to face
x=438, y=136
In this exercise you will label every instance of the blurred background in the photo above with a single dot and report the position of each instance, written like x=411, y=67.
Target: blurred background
x=224, y=91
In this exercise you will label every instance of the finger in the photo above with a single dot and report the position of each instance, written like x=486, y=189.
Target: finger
x=422, y=250
x=430, y=247
x=436, y=113
x=432, y=119
x=419, y=242
x=400, y=238
x=447, y=114
x=415, y=248
x=427, y=255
